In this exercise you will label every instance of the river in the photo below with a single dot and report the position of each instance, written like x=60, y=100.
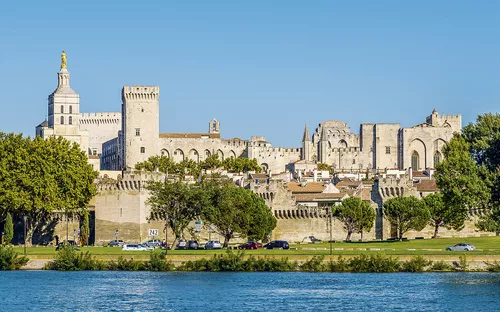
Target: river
x=186, y=291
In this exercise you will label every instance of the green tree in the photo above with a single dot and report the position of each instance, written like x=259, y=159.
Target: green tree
x=463, y=184
x=441, y=214
x=241, y=165
x=406, y=213
x=85, y=230
x=211, y=162
x=161, y=163
x=41, y=176
x=324, y=167
x=355, y=214
x=176, y=204
x=8, y=230
x=238, y=210
x=483, y=138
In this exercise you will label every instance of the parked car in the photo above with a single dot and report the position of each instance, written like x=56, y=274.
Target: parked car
x=116, y=243
x=277, y=244
x=311, y=239
x=182, y=244
x=192, y=244
x=461, y=247
x=213, y=245
x=250, y=245
x=153, y=243
x=136, y=247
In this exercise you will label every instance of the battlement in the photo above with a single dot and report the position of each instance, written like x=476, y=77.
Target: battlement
x=101, y=118
x=131, y=93
x=129, y=181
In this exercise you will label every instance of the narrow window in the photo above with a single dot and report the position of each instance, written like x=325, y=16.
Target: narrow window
x=94, y=151
x=387, y=149
x=62, y=120
x=143, y=150
x=71, y=109
x=62, y=109
x=415, y=161
x=70, y=119
x=353, y=161
x=137, y=131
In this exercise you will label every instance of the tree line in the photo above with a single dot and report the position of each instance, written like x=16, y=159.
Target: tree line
x=39, y=178
x=229, y=209
x=188, y=166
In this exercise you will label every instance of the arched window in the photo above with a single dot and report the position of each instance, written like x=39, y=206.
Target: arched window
x=437, y=158
x=214, y=126
x=415, y=160
x=62, y=120
x=71, y=109
x=62, y=109
x=70, y=120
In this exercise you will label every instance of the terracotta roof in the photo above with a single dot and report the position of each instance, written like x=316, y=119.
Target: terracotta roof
x=318, y=197
x=426, y=186
x=348, y=183
x=189, y=135
x=259, y=176
x=310, y=187
x=419, y=174
x=366, y=194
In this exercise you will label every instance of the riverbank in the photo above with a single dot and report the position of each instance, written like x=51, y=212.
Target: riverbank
x=478, y=263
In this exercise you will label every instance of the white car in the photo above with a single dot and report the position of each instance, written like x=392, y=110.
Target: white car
x=213, y=245
x=136, y=247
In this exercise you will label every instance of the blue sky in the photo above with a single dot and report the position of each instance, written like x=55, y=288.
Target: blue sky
x=259, y=67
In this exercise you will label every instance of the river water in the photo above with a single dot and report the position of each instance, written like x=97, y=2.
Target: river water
x=186, y=291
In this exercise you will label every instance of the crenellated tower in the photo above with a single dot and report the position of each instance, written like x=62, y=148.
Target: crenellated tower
x=141, y=123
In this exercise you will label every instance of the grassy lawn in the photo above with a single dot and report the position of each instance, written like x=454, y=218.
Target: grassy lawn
x=484, y=245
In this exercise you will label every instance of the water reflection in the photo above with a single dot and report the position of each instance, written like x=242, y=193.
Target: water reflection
x=181, y=291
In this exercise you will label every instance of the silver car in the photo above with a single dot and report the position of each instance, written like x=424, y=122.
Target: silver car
x=461, y=247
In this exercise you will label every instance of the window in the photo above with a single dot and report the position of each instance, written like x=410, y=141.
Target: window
x=353, y=161
x=71, y=109
x=62, y=120
x=137, y=131
x=62, y=109
x=437, y=158
x=415, y=160
x=143, y=150
x=70, y=120
x=94, y=151
x=387, y=149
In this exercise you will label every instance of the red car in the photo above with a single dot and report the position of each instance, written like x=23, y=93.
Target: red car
x=250, y=245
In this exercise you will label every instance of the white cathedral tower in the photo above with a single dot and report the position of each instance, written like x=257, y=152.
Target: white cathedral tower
x=64, y=112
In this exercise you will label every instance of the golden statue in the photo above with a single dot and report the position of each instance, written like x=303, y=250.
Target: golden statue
x=63, y=60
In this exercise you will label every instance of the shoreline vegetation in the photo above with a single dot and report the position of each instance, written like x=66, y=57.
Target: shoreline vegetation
x=67, y=259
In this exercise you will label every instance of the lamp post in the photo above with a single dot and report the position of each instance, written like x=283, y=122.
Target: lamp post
x=331, y=225
x=25, y=218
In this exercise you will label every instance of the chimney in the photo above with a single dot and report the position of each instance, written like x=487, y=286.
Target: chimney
x=410, y=173
x=300, y=175
x=315, y=175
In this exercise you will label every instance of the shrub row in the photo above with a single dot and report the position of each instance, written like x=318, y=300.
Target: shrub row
x=67, y=259
x=10, y=260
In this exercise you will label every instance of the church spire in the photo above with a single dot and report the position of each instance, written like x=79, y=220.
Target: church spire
x=63, y=74
x=307, y=136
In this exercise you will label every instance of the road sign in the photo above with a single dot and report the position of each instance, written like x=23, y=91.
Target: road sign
x=153, y=232
x=197, y=226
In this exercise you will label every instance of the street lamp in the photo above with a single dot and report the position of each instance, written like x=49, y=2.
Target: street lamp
x=331, y=225
x=25, y=218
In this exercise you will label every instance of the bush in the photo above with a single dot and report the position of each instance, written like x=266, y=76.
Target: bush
x=10, y=260
x=68, y=259
x=374, y=263
x=157, y=262
x=234, y=262
x=462, y=264
x=441, y=266
x=493, y=267
x=340, y=265
x=415, y=264
x=123, y=264
x=315, y=264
